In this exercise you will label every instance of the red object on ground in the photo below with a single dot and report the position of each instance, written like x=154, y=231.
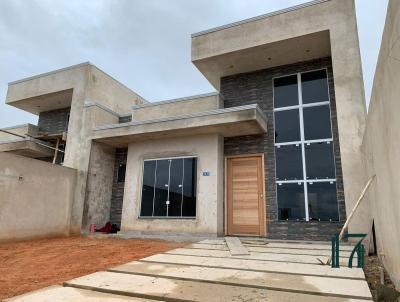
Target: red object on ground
x=92, y=228
x=106, y=228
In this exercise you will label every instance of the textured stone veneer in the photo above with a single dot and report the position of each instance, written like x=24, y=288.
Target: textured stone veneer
x=117, y=194
x=54, y=122
x=257, y=88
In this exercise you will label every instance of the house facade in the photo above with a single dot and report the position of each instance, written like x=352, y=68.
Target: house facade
x=273, y=152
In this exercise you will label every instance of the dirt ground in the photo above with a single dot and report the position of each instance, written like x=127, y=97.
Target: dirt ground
x=372, y=274
x=30, y=265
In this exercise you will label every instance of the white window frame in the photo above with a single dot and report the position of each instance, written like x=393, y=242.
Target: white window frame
x=303, y=141
x=169, y=175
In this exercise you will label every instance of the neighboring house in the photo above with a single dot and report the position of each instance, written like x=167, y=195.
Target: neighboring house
x=274, y=152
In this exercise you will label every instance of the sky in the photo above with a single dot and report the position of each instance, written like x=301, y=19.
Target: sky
x=145, y=44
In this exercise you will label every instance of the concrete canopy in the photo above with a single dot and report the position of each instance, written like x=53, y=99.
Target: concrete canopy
x=26, y=147
x=288, y=51
x=299, y=33
x=235, y=121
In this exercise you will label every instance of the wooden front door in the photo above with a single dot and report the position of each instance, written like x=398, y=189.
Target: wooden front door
x=245, y=196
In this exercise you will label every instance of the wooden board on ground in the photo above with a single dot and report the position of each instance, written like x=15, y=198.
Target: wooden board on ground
x=235, y=246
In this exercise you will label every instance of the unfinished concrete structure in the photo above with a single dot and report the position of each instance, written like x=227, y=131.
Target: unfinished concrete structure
x=275, y=152
x=381, y=146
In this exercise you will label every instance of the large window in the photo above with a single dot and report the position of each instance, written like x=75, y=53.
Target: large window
x=305, y=163
x=169, y=188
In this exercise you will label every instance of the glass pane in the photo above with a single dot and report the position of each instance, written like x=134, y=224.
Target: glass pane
x=314, y=86
x=161, y=193
x=286, y=91
x=175, y=187
x=320, y=163
x=146, y=208
x=291, y=201
x=322, y=201
x=287, y=126
x=288, y=162
x=121, y=172
x=317, y=122
x=189, y=187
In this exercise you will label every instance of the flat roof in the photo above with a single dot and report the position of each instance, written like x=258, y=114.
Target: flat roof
x=234, y=121
x=278, y=12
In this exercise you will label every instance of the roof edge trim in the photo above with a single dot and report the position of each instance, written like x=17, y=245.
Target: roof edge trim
x=184, y=116
x=278, y=12
x=197, y=96
x=50, y=72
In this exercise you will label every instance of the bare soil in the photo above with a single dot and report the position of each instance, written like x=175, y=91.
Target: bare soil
x=30, y=265
x=372, y=274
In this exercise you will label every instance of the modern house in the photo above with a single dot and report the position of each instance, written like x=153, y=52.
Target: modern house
x=274, y=152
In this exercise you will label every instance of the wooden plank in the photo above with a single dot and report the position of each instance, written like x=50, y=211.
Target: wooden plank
x=235, y=246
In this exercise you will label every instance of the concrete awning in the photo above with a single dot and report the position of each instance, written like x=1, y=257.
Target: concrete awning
x=234, y=121
x=296, y=34
x=27, y=147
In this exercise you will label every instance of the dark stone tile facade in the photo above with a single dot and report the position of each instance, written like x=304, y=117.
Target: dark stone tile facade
x=125, y=119
x=55, y=121
x=257, y=88
x=117, y=194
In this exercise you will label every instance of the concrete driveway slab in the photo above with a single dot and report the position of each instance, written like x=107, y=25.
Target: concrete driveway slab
x=70, y=294
x=260, y=265
x=293, y=258
x=207, y=271
x=295, y=283
x=183, y=290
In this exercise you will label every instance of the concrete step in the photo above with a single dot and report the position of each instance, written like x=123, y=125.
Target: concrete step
x=295, y=283
x=291, y=245
x=260, y=266
x=182, y=290
x=70, y=294
x=292, y=258
x=267, y=249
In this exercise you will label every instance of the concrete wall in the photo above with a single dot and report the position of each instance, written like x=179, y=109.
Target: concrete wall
x=99, y=185
x=35, y=198
x=209, y=150
x=381, y=146
x=177, y=107
x=21, y=130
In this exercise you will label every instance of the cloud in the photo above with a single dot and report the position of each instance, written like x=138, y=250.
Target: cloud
x=144, y=44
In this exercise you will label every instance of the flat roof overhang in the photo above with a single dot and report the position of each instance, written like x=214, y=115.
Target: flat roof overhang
x=44, y=102
x=296, y=34
x=279, y=53
x=26, y=147
x=228, y=122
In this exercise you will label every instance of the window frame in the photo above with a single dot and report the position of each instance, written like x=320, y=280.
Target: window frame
x=141, y=189
x=303, y=141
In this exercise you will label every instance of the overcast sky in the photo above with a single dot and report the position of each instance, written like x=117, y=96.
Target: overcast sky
x=145, y=44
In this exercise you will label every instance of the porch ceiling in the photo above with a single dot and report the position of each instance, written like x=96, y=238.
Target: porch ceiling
x=235, y=121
